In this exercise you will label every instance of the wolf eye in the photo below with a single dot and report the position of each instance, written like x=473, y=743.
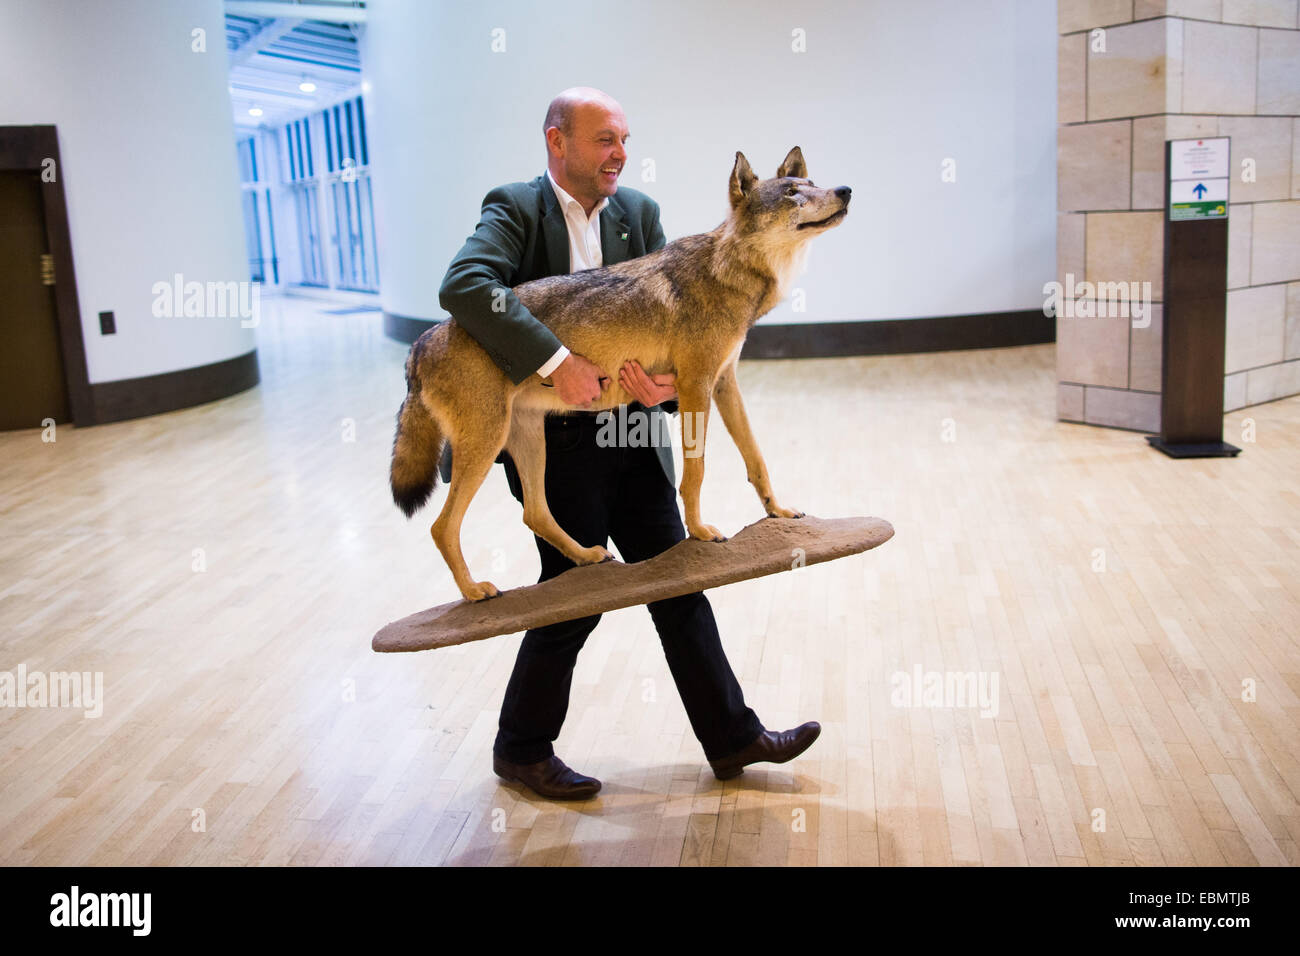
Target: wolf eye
x=792, y=191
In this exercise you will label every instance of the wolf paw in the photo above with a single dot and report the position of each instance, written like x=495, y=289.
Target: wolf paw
x=595, y=555
x=481, y=591
x=706, y=532
x=779, y=512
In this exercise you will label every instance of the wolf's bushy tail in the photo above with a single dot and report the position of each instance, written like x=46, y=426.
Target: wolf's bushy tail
x=417, y=449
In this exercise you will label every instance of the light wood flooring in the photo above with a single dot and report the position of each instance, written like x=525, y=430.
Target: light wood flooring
x=1123, y=601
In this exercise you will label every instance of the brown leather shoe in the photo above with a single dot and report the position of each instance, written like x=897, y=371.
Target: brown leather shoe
x=547, y=778
x=768, y=748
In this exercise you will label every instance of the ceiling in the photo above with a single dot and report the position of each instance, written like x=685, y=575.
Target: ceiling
x=271, y=55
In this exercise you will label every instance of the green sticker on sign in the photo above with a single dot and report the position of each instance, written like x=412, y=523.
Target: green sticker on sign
x=1197, y=210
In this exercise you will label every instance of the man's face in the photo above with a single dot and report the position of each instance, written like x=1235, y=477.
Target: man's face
x=593, y=155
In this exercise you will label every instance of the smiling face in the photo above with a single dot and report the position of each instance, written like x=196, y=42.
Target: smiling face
x=588, y=160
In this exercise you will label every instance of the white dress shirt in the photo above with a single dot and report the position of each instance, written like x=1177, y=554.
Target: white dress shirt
x=584, y=248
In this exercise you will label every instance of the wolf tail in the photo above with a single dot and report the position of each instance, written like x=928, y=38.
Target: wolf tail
x=417, y=449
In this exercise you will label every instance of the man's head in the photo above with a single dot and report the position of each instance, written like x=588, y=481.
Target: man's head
x=585, y=132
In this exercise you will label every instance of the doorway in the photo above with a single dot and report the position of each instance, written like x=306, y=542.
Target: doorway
x=32, y=378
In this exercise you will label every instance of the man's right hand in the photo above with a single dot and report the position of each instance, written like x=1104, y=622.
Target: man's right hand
x=578, y=381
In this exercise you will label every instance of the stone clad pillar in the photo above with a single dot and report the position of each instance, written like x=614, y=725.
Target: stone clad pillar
x=1132, y=74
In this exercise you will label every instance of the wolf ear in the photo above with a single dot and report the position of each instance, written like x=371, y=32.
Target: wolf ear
x=793, y=165
x=742, y=179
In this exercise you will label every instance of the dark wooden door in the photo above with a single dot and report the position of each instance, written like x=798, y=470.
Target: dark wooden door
x=32, y=385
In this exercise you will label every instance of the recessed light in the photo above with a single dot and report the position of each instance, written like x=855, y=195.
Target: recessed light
x=307, y=86
x=255, y=111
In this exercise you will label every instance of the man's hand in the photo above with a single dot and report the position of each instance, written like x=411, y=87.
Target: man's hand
x=578, y=381
x=649, y=390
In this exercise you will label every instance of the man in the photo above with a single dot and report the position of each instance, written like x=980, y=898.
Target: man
x=571, y=218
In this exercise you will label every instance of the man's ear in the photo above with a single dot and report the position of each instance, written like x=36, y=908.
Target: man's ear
x=742, y=179
x=555, y=141
x=793, y=165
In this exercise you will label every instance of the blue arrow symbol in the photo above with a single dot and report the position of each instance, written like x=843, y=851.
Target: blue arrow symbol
x=1200, y=190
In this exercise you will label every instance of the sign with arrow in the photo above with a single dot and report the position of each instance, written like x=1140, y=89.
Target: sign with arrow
x=1198, y=178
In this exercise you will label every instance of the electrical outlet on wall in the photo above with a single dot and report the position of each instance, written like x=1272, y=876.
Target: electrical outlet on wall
x=107, y=325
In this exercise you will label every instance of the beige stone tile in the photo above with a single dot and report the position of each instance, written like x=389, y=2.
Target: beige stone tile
x=1092, y=350
x=1272, y=382
x=1069, y=402
x=1071, y=94
x=1290, y=380
x=1239, y=223
x=1197, y=9
x=1125, y=247
x=1234, y=391
x=1069, y=245
x=1295, y=159
x=1139, y=411
x=1267, y=141
x=1072, y=15
x=1256, y=321
x=1092, y=165
x=1279, y=72
x=1149, y=135
x=1139, y=72
x=1275, y=242
x=1145, y=353
x=1265, y=384
x=1292, y=347
x=1218, y=68
x=1260, y=13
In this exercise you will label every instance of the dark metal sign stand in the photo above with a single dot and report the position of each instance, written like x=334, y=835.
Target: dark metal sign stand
x=1195, y=301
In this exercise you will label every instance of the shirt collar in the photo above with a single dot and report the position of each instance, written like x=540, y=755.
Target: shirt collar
x=567, y=201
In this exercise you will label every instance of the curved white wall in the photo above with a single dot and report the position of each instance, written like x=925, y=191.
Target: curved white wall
x=149, y=167
x=885, y=92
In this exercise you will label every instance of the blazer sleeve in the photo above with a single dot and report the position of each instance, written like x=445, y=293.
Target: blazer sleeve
x=476, y=290
x=654, y=241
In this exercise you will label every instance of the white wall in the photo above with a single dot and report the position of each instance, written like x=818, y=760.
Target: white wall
x=885, y=92
x=149, y=165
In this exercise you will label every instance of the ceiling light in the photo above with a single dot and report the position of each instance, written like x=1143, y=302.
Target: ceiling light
x=307, y=86
x=255, y=111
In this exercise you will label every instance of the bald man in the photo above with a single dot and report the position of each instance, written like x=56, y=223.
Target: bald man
x=574, y=217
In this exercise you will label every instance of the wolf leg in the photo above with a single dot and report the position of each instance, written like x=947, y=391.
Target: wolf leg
x=473, y=454
x=693, y=407
x=527, y=446
x=726, y=393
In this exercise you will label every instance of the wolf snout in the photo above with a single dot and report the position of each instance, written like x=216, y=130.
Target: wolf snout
x=843, y=192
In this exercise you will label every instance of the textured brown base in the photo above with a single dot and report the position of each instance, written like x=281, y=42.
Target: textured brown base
x=765, y=547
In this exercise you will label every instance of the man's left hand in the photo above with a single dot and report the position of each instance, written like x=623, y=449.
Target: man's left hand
x=649, y=390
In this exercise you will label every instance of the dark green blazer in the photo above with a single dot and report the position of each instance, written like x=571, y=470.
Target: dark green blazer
x=521, y=236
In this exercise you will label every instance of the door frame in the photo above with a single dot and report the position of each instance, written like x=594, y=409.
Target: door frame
x=23, y=149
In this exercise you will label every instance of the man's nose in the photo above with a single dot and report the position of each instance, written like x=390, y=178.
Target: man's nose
x=844, y=192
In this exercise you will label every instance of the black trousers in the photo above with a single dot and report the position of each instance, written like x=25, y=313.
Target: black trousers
x=597, y=493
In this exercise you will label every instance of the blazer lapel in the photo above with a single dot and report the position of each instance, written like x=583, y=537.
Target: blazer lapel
x=613, y=232
x=555, y=230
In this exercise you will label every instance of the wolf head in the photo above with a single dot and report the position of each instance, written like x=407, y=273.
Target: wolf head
x=789, y=204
